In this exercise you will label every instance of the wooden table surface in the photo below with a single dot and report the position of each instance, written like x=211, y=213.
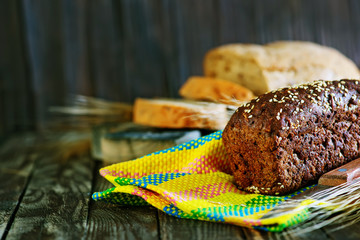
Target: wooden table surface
x=45, y=193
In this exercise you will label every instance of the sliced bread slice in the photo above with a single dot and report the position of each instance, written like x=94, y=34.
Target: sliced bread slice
x=180, y=113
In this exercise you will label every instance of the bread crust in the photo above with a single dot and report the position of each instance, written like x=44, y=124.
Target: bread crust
x=176, y=113
x=286, y=139
x=262, y=68
x=216, y=90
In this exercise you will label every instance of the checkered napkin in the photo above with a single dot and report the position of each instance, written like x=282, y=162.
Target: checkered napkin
x=193, y=181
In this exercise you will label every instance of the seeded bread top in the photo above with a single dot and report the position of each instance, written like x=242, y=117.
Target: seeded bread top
x=288, y=106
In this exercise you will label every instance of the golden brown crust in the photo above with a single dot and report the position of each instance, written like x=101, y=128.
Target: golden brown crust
x=216, y=90
x=262, y=68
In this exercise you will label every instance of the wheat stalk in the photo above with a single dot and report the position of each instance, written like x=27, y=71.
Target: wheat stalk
x=337, y=207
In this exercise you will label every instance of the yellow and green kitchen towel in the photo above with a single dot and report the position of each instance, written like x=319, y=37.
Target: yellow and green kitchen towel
x=193, y=181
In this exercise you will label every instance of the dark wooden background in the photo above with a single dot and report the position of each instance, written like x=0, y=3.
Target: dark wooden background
x=123, y=49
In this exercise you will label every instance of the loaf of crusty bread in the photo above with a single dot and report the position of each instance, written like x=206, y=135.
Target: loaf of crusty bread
x=262, y=68
x=179, y=113
x=286, y=139
x=215, y=90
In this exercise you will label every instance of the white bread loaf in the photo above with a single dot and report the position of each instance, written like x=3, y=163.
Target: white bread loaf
x=262, y=68
x=215, y=90
x=178, y=113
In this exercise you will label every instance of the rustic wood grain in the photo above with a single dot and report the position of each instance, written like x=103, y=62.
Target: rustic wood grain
x=236, y=21
x=109, y=221
x=197, y=30
x=43, y=196
x=106, y=51
x=175, y=67
x=15, y=170
x=285, y=235
x=43, y=25
x=175, y=228
x=120, y=50
x=15, y=91
x=351, y=232
x=144, y=62
x=269, y=21
x=75, y=15
x=303, y=18
x=55, y=204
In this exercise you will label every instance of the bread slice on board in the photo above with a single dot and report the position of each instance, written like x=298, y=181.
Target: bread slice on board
x=215, y=90
x=262, y=68
x=179, y=113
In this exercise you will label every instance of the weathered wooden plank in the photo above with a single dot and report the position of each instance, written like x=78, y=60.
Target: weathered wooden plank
x=144, y=63
x=197, y=26
x=236, y=21
x=175, y=228
x=303, y=17
x=272, y=24
x=106, y=51
x=12, y=184
x=121, y=49
x=75, y=19
x=350, y=232
x=188, y=31
x=15, y=94
x=15, y=169
x=7, y=67
x=44, y=40
x=55, y=204
x=175, y=67
x=260, y=235
x=171, y=228
x=109, y=221
x=286, y=234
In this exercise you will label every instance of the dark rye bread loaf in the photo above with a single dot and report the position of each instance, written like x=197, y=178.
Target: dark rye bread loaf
x=286, y=139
